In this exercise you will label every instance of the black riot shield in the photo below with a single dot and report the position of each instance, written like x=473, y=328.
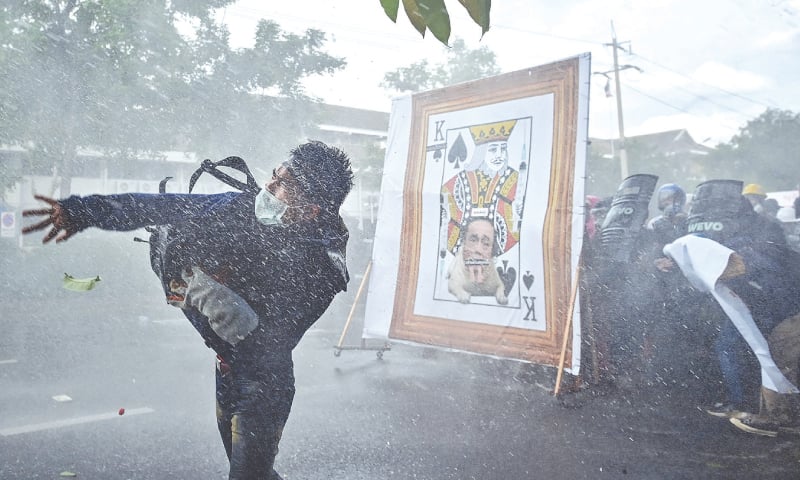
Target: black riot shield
x=627, y=217
x=715, y=211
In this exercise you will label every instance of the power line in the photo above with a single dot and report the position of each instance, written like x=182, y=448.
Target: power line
x=390, y=40
x=727, y=92
x=549, y=35
x=705, y=99
x=692, y=94
x=698, y=96
x=658, y=100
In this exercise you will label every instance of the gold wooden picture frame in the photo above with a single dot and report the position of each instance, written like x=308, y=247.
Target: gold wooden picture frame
x=560, y=80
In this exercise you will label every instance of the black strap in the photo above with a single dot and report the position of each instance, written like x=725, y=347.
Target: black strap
x=235, y=163
x=162, y=185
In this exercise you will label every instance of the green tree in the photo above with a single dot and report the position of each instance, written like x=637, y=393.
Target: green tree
x=119, y=76
x=765, y=151
x=462, y=64
x=85, y=74
x=251, y=101
x=432, y=15
x=675, y=167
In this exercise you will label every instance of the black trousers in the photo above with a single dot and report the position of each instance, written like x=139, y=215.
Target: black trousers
x=251, y=414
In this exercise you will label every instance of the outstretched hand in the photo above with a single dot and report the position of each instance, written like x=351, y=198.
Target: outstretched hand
x=57, y=217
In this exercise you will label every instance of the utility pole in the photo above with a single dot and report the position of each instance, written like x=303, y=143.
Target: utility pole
x=623, y=155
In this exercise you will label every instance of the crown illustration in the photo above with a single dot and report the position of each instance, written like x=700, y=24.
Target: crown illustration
x=492, y=132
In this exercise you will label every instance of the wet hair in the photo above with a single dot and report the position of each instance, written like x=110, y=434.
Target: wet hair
x=324, y=173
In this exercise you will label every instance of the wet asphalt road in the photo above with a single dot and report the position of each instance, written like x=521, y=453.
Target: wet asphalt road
x=417, y=413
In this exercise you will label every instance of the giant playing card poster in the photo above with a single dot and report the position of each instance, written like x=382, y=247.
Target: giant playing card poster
x=480, y=221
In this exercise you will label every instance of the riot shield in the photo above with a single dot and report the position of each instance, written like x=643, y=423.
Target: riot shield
x=715, y=211
x=627, y=216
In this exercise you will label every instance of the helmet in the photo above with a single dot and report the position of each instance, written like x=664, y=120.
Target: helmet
x=671, y=199
x=754, y=189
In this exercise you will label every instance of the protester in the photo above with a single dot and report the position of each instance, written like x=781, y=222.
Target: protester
x=779, y=410
x=756, y=237
x=769, y=270
x=258, y=268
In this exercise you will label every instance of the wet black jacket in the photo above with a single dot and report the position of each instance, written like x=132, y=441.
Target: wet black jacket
x=287, y=274
x=771, y=284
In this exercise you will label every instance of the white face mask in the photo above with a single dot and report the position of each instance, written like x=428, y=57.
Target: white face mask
x=268, y=209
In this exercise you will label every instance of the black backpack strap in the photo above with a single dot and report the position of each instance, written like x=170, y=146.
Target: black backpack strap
x=162, y=185
x=235, y=163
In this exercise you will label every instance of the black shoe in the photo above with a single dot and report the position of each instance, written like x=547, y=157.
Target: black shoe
x=723, y=410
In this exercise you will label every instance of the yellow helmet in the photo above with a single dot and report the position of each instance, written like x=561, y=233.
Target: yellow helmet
x=753, y=189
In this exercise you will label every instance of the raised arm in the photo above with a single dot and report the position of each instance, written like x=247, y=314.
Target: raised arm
x=68, y=216
x=57, y=219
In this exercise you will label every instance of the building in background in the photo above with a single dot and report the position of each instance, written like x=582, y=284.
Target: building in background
x=361, y=133
x=672, y=155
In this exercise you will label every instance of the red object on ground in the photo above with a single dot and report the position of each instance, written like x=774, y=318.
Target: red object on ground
x=122, y=411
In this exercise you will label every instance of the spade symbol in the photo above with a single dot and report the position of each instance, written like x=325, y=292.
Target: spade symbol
x=527, y=279
x=458, y=152
x=437, y=154
x=508, y=275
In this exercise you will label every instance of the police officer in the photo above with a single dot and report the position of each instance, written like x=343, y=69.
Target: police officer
x=669, y=301
x=671, y=223
x=754, y=193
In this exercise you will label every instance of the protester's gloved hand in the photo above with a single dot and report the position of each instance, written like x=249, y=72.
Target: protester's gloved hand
x=57, y=217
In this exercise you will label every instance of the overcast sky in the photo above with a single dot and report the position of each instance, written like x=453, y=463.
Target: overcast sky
x=707, y=65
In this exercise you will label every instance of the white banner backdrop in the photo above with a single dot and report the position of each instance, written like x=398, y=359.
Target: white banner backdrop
x=481, y=221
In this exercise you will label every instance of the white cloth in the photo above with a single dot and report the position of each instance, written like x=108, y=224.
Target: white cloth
x=702, y=261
